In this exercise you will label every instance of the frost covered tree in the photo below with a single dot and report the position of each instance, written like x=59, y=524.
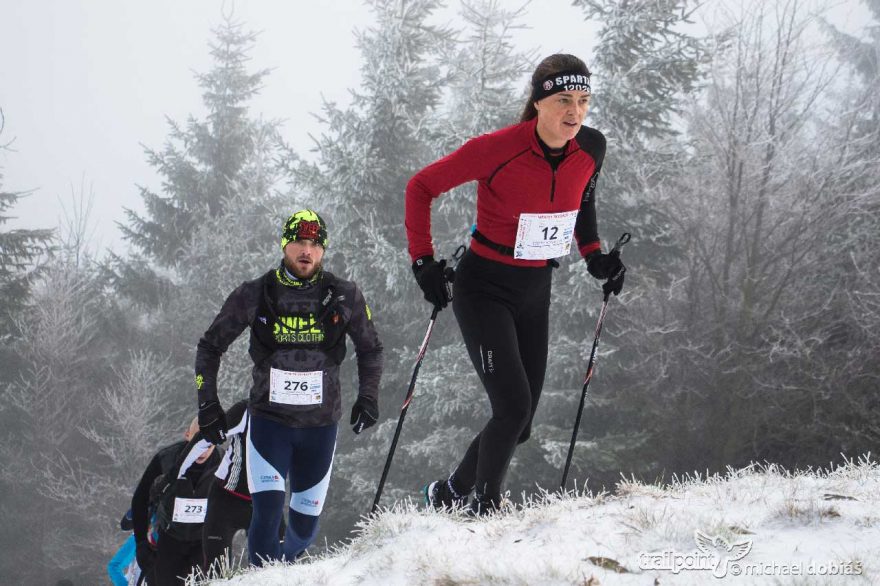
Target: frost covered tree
x=242, y=166
x=105, y=376
x=364, y=159
x=645, y=64
x=234, y=239
x=58, y=334
x=760, y=357
x=841, y=309
x=202, y=160
x=70, y=334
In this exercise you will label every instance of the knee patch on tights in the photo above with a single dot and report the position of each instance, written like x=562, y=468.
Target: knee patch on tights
x=311, y=500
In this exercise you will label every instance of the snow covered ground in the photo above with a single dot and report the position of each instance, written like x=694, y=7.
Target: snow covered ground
x=810, y=528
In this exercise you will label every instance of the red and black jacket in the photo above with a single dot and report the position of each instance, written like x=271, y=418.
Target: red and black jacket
x=514, y=177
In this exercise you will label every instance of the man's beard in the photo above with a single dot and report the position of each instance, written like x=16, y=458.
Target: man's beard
x=311, y=272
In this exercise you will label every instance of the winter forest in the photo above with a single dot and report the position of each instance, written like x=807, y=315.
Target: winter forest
x=744, y=160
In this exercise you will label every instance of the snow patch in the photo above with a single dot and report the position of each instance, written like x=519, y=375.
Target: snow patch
x=819, y=525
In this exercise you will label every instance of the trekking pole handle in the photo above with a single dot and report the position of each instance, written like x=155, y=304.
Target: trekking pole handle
x=449, y=272
x=624, y=238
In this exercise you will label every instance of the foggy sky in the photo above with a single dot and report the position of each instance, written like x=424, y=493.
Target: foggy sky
x=84, y=84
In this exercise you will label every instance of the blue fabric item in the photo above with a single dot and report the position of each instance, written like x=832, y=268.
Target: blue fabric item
x=274, y=450
x=120, y=561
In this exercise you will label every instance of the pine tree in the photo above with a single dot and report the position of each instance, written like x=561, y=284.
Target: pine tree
x=101, y=383
x=202, y=160
x=222, y=178
x=73, y=331
x=366, y=157
x=20, y=250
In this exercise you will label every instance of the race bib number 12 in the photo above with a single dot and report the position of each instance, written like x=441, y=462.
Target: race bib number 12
x=296, y=388
x=544, y=236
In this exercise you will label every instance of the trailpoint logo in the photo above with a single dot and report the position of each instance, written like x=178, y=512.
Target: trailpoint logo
x=723, y=551
x=723, y=558
x=713, y=553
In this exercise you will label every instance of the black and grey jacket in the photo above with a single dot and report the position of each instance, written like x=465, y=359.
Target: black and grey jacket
x=163, y=482
x=296, y=327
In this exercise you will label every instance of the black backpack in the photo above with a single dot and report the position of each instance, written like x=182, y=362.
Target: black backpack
x=329, y=317
x=167, y=458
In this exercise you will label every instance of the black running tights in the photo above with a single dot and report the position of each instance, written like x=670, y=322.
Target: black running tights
x=503, y=313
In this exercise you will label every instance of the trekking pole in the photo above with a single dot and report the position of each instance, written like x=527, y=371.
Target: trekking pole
x=607, y=291
x=450, y=276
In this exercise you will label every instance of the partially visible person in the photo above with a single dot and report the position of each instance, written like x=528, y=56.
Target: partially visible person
x=299, y=315
x=123, y=568
x=180, y=503
x=123, y=565
x=229, y=500
x=119, y=568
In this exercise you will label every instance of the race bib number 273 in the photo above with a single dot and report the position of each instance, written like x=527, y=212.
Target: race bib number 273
x=190, y=510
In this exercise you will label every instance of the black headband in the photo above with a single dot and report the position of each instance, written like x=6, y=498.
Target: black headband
x=564, y=81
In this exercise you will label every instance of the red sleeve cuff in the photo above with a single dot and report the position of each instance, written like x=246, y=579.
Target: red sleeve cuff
x=589, y=248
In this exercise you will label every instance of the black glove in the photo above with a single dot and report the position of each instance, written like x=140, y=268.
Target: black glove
x=432, y=278
x=212, y=422
x=145, y=554
x=607, y=266
x=364, y=414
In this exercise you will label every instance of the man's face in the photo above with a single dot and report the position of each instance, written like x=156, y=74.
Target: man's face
x=303, y=258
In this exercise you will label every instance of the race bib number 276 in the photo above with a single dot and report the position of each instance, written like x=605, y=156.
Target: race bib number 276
x=296, y=388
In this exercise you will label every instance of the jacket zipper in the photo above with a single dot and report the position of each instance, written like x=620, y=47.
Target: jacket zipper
x=553, y=180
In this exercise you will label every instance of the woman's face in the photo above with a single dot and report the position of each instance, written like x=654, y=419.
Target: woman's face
x=560, y=116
